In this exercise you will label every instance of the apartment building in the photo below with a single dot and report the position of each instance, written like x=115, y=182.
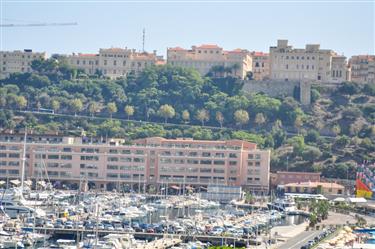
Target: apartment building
x=154, y=160
x=204, y=57
x=362, y=68
x=260, y=66
x=310, y=64
x=115, y=62
x=18, y=61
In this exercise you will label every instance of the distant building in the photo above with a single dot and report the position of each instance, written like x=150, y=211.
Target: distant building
x=18, y=61
x=325, y=188
x=285, y=177
x=309, y=64
x=204, y=57
x=148, y=161
x=115, y=62
x=362, y=68
x=261, y=65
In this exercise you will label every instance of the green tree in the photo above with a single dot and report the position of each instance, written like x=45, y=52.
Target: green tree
x=260, y=119
x=311, y=154
x=111, y=108
x=55, y=105
x=93, y=108
x=219, y=118
x=186, y=116
x=76, y=105
x=166, y=111
x=129, y=110
x=21, y=102
x=203, y=116
x=241, y=117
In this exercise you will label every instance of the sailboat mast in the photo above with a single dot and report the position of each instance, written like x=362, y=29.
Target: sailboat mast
x=23, y=160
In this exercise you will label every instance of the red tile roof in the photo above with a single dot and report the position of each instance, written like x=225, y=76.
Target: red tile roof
x=255, y=53
x=176, y=48
x=87, y=54
x=205, y=46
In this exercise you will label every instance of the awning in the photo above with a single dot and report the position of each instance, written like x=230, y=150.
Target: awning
x=2, y=182
x=188, y=187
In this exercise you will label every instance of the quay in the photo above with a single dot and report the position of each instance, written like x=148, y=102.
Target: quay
x=183, y=237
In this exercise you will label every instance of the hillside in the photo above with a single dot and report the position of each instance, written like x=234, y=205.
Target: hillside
x=332, y=136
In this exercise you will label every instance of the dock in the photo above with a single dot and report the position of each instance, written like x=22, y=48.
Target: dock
x=160, y=238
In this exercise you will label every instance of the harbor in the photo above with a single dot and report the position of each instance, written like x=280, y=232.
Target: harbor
x=49, y=218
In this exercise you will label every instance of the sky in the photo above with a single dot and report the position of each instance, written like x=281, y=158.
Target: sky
x=347, y=27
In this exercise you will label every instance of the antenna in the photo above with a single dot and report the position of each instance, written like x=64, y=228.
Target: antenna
x=143, y=39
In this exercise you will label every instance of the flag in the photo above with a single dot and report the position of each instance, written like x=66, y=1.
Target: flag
x=362, y=190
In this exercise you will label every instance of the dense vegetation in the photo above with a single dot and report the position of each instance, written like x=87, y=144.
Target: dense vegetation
x=332, y=136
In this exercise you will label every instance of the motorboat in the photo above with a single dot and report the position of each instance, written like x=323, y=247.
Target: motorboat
x=283, y=205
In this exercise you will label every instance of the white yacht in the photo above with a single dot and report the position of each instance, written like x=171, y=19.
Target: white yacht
x=11, y=203
x=284, y=205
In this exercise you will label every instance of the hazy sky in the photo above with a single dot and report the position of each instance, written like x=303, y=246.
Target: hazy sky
x=346, y=27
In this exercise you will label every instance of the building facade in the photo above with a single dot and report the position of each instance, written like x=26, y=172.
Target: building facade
x=148, y=161
x=309, y=64
x=325, y=188
x=362, y=68
x=115, y=62
x=285, y=177
x=260, y=66
x=204, y=57
x=18, y=61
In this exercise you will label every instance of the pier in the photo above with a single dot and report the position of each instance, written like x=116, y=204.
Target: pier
x=157, y=239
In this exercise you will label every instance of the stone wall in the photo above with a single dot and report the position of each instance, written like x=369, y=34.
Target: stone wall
x=280, y=89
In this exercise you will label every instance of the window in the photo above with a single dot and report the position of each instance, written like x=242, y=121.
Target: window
x=205, y=170
x=66, y=157
x=206, y=154
x=232, y=155
x=219, y=162
x=113, y=167
x=206, y=161
x=219, y=171
x=112, y=159
x=232, y=163
x=14, y=155
x=193, y=153
x=53, y=156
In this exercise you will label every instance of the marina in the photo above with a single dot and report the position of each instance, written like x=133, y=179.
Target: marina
x=50, y=218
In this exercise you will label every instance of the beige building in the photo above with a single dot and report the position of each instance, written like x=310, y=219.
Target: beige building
x=147, y=161
x=362, y=68
x=18, y=61
x=325, y=188
x=115, y=62
x=310, y=64
x=261, y=65
x=204, y=57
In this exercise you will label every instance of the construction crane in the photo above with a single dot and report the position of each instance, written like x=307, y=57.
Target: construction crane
x=11, y=25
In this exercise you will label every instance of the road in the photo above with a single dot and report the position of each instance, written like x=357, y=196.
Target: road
x=299, y=240
x=288, y=133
